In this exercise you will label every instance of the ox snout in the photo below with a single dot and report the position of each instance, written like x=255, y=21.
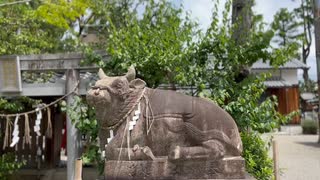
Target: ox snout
x=97, y=97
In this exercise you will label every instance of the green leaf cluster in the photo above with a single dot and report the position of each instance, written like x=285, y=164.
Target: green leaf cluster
x=8, y=165
x=158, y=43
x=83, y=117
x=17, y=104
x=255, y=153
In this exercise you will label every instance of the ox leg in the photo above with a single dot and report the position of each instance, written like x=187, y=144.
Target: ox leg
x=212, y=149
x=103, y=136
x=135, y=153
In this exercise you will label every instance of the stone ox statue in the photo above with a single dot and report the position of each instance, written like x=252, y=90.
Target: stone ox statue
x=142, y=124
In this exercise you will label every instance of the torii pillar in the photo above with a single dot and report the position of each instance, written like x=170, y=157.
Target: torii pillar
x=73, y=135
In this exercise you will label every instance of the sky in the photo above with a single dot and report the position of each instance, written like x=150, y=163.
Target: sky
x=200, y=10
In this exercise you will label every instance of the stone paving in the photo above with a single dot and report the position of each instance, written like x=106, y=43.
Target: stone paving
x=299, y=157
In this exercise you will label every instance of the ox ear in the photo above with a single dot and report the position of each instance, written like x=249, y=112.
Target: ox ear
x=101, y=74
x=131, y=74
x=137, y=84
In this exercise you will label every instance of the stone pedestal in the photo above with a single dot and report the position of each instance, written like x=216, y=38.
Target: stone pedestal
x=226, y=168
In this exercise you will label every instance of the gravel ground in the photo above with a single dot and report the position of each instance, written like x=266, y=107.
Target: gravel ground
x=299, y=157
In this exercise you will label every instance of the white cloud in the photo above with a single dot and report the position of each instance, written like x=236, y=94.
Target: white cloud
x=269, y=8
x=200, y=11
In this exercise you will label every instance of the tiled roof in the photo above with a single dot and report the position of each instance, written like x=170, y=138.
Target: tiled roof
x=293, y=64
x=277, y=83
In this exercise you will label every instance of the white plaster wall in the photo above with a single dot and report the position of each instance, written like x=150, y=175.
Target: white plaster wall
x=274, y=73
x=290, y=75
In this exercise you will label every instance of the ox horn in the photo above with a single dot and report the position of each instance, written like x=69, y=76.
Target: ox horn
x=131, y=74
x=101, y=74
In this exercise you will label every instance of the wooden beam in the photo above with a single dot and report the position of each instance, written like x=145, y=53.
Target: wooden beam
x=54, y=62
x=47, y=89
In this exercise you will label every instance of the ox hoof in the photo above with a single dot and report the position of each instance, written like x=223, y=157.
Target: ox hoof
x=175, y=154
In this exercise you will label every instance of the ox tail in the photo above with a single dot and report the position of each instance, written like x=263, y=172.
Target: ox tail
x=201, y=136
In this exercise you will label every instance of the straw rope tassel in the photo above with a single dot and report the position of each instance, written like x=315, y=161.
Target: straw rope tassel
x=15, y=133
x=49, y=128
x=27, y=130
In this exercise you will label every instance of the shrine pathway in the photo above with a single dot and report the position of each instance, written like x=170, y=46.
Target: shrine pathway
x=299, y=157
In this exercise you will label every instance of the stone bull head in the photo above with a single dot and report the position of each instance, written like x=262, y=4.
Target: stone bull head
x=110, y=93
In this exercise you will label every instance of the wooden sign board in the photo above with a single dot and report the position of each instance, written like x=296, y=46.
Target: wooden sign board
x=10, y=77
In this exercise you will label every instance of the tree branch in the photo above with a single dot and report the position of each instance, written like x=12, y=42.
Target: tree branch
x=12, y=3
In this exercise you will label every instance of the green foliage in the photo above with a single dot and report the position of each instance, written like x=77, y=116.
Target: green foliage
x=158, y=44
x=251, y=113
x=62, y=13
x=242, y=100
x=255, y=153
x=285, y=25
x=310, y=86
x=23, y=32
x=309, y=127
x=17, y=104
x=8, y=165
x=83, y=117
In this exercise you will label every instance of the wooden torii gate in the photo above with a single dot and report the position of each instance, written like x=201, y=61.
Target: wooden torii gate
x=69, y=63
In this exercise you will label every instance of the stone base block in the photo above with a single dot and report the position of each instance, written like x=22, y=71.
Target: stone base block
x=226, y=168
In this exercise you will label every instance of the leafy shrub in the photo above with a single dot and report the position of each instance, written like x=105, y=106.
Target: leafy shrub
x=8, y=165
x=84, y=119
x=255, y=152
x=309, y=127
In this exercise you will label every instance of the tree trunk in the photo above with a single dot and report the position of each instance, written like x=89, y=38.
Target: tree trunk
x=307, y=41
x=305, y=71
x=306, y=79
x=242, y=18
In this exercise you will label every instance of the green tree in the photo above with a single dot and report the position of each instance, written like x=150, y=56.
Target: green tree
x=24, y=32
x=285, y=26
x=304, y=14
x=158, y=44
x=220, y=52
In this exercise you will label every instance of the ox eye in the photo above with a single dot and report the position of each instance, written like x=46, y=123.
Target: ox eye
x=117, y=84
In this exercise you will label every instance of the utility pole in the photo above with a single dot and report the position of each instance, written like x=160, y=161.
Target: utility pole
x=316, y=9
